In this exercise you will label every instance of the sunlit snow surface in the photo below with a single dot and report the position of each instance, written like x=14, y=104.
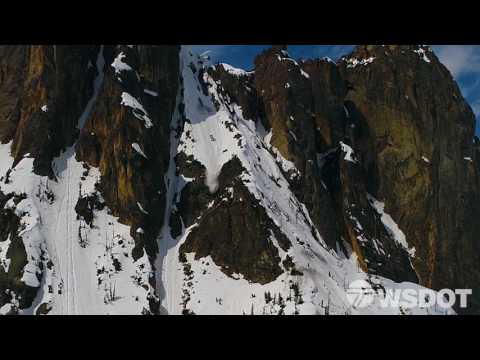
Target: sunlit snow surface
x=391, y=225
x=234, y=71
x=83, y=278
x=213, y=138
x=119, y=65
x=137, y=108
x=354, y=62
x=423, y=54
x=72, y=285
x=93, y=271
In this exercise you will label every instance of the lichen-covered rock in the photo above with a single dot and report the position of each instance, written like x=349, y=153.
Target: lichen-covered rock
x=328, y=92
x=127, y=135
x=241, y=90
x=43, y=91
x=287, y=95
x=240, y=243
x=385, y=102
x=276, y=175
x=420, y=133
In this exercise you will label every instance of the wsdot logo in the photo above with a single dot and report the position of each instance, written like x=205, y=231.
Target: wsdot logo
x=361, y=294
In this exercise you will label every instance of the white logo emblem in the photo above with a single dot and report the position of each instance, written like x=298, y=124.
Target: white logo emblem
x=360, y=294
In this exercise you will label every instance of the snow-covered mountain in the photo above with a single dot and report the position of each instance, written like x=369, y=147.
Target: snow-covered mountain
x=145, y=180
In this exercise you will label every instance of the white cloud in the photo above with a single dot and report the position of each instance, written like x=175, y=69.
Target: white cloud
x=463, y=61
x=459, y=59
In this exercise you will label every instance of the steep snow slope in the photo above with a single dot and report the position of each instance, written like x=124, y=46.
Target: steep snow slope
x=82, y=278
x=215, y=132
x=81, y=269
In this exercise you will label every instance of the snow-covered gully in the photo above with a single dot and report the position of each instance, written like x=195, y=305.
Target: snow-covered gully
x=326, y=273
x=77, y=277
x=168, y=269
x=83, y=269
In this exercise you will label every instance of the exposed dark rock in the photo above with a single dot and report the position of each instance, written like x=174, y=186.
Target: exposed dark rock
x=43, y=309
x=398, y=109
x=241, y=241
x=288, y=98
x=415, y=111
x=86, y=205
x=241, y=90
x=328, y=91
x=11, y=283
x=386, y=103
x=43, y=92
x=106, y=141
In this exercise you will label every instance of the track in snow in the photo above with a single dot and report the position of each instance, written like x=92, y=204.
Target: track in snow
x=68, y=277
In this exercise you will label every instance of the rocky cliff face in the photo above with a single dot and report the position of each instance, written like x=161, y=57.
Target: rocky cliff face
x=130, y=143
x=95, y=122
x=39, y=106
x=419, y=152
x=314, y=130
x=181, y=187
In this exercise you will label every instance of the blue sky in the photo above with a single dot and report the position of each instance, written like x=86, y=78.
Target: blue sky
x=463, y=61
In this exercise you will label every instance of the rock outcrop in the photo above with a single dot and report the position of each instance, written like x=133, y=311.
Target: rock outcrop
x=43, y=91
x=418, y=153
x=127, y=135
x=266, y=180
x=386, y=122
x=109, y=105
